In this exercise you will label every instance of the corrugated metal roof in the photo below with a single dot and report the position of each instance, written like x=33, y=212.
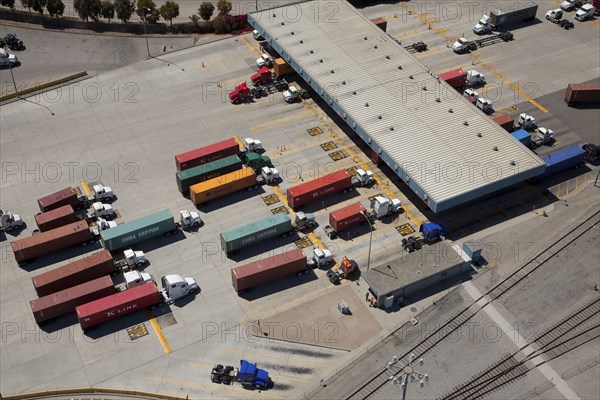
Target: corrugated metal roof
x=435, y=136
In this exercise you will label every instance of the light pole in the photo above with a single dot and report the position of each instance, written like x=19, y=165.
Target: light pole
x=145, y=31
x=22, y=98
x=370, y=240
x=407, y=373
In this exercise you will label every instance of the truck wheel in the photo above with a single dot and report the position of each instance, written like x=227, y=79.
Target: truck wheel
x=257, y=386
x=196, y=224
x=84, y=244
x=193, y=291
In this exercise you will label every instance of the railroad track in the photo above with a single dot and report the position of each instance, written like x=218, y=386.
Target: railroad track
x=379, y=379
x=578, y=328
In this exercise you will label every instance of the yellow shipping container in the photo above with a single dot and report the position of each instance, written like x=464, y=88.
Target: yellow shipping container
x=281, y=67
x=222, y=185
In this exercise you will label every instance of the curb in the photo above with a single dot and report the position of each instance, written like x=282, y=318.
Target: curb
x=91, y=390
x=44, y=85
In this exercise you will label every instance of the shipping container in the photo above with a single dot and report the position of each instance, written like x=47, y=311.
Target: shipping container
x=503, y=18
x=457, y=78
x=204, y=172
x=582, y=93
x=225, y=184
x=116, y=305
x=522, y=136
x=281, y=68
x=130, y=233
x=66, y=196
x=254, y=232
x=54, y=218
x=206, y=154
x=90, y=267
x=505, y=121
x=562, y=160
x=320, y=187
x=28, y=248
x=267, y=270
x=256, y=161
x=381, y=23
x=65, y=301
x=347, y=217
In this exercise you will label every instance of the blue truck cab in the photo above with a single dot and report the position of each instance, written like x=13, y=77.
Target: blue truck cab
x=432, y=232
x=250, y=375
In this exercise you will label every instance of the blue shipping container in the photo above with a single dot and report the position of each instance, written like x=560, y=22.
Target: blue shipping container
x=563, y=160
x=522, y=136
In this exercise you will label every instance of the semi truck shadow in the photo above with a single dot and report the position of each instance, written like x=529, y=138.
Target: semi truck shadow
x=329, y=201
x=69, y=255
x=278, y=285
x=118, y=327
x=230, y=199
x=160, y=241
x=270, y=247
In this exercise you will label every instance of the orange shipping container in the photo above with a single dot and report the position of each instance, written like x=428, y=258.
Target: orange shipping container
x=282, y=68
x=222, y=185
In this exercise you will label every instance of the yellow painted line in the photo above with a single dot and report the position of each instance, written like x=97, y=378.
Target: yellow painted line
x=250, y=46
x=595, y=23
x=406, y=34
x=86, y=188
x=276, y=123
x=215, y=387
x=239, y=141
x=362, y=164
x=159, y=333
x=429, y=52
x=246, y=313
x=290, y=360
x=508, y=83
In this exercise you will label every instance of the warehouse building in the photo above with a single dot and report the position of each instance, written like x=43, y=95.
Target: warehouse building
x=410, y=274
x=444, y=148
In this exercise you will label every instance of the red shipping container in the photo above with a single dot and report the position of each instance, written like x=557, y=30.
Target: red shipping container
x=75, y=273
x=320, y=187
x=582, y=93
x=505, y=121
x=206, y=154
x=53, y=219
x=117, y=305
x=65, y=301
x=381, y=23
x=47, y=242
x=456, y=78
x=59, y=199
x=269, y=269
x=347, y=217
x=375, y=157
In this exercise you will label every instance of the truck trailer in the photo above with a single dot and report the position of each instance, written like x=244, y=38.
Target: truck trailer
x=254, y=232
x=339, y=181
x=505, y=18
x=505, y=121
x=522, y=136
x=67, y=196
x=207, y=154
x=581, y=93
x=345, y=218
x=55, y=218
x=202, y=193
x=269, y=269
x=29, y=248
x=562, y=160
x=130, y=233
x=65, y=301
x=204, y=172
x=457, y=78
x=86, y=269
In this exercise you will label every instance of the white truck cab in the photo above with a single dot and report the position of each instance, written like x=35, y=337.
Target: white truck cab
x=257, y=36
x=526, y=122
x=475, y=78
x=484, y=105
x=363, y=177
x=135, y=258
x=265, y=60
x=570, y=5
x=176, y=286
x=484, y=25
x=268, y=175
x=320, y=258
x=254, y=145
x=102, y=210
x=585, y=12
x=554, y=14
x=7, y=59
x=460, y=45
x=103, y=193
x=545, y=135
x=10, y=221
x=383, y=207
x=136, y=278
x=104, y=224
x=189, y=219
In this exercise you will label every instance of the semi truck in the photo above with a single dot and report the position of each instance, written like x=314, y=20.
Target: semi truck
x=562, y=160
x=340, y=181
x=50, y=306
x=256, y=231
x=499, y=19
x=522, y=136
x=72, y=196
x=10, y=221
x=207, y=154
x=586, y=12
x=8, y=60
x=245, y=178
x=582, y=93
x=345, y=218
x=269, y=269
x=191, y=176
x=90, y=267
x=130, y=233
x=27, y=249
x=55, y=218
x=135, y=299
x=505, y=121
x=249, y=375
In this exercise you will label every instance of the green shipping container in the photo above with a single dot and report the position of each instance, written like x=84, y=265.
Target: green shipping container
x=256, y=162
x=255, y=232
x=129, y=233
x=204, y=172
